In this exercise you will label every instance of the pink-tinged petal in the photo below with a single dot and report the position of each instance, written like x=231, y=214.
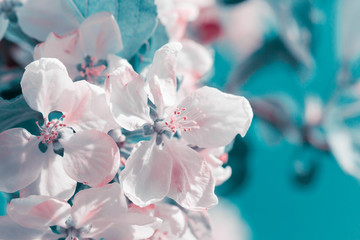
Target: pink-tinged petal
x=100, y=35
x=64, y=48
x=43, y=85
x=194, y=59
x=39, y=212
x=87, y=108
x=98, y=204
x=37, y=18
x=129, y=226
x=53, y=180
x=20, y=159
x=128, y=97
x=192, y=185
x=10, y=230
x=4, y=22
x=174, y=219
x=221, y=174
x=91, y=157
x=114, y=62
x=147, y=174
x=215, y=117
x=162, y=77
x=215, y=158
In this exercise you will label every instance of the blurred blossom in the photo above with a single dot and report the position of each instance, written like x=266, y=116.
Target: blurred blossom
x=227, y=222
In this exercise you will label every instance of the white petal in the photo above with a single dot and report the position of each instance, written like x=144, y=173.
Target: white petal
x=129, y=226
x=87, y=108
x=99, y=35
x=174, y=219
x=20, y=159
x=219, y=117
x=128, y=97
x=162, y=77
x=91, y=157
x=147, y=174
x=194, y=58
x=192, y=185
x=39, y=212
x=44, y=83
x=37, y=18
x=10, y=230
x=221, y=174
x=213, y=157
x=65, y=48
x=96, y=204
x=52, y=181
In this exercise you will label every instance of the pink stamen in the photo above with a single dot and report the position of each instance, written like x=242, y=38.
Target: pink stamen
x=49, y=130
x=180, y=121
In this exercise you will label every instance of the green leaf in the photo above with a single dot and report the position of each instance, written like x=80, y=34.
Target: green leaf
x=15, y=112
x=136, y=19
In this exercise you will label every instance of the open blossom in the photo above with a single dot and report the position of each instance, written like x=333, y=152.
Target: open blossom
x=167, y=165
x=85, y=51
x=35, y=164
x=97, y=213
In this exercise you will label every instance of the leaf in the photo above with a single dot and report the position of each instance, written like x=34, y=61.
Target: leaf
x=148, y=49
x=16, y=35
x=14, y=112
x=136, y=19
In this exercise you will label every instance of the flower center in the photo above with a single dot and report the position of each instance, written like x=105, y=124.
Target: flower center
x=92, y=69
x=184, y=120
x=50, y=129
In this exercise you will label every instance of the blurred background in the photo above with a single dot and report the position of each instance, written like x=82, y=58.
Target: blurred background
x=295, y=174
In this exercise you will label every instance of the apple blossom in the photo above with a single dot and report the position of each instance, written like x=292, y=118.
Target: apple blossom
x=167, y=165
x=97, y=213
x=35, y=164
x=85, y=51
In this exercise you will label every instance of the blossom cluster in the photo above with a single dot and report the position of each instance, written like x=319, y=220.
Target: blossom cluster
x=124, y=148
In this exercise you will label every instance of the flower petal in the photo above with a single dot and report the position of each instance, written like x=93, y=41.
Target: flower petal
x=52, y=181
x=91, y=157
x=65, y=48
x=87, y=108
x=10, y=230
x=39, y=212
x=161, y=76
x=147, y=174
x=192, y=185
x=43, y=85
x=99, y=35
x=96, y=204
x=194, y=59
x=129, y=226
x=215, y=158
x=128, y=97
x=37, y=19
x=219, y=117
x=20, y=159
x=174, y=219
